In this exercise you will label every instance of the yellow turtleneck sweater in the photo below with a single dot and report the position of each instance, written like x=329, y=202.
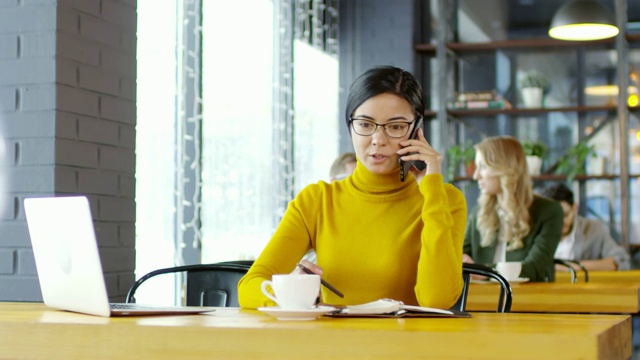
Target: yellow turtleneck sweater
x=375, y=237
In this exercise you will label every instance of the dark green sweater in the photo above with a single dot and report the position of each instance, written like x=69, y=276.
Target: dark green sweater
x=539, y=245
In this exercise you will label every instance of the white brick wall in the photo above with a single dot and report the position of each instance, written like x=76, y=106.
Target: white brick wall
x=8, y=99
x=73, y=47
x=99, y=31
x=98, y=131
x=24, y=19
x=91, y=7
x=38, y=44
x=77, y=101
x=37, y=97
x=97, y=80
x=8, y=47
x=67, y=103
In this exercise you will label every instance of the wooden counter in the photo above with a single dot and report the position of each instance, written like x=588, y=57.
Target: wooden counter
x=607, y=292
x=30, y=331
x=600, y=276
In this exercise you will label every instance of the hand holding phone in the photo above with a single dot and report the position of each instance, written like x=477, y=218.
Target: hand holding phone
x=406, y=165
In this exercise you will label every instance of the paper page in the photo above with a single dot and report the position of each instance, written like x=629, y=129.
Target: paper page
x=425, y=309
x=375, y=307
x=386, y=306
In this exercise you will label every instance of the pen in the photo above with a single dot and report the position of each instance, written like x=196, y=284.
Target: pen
x=328, y=286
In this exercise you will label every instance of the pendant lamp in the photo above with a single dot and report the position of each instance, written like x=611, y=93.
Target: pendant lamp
x=583, y=20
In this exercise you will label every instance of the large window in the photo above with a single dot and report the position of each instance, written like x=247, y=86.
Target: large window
x=316, y=119
x=238, y=150
x=237, y=176
x=155, y=144
x=236, y=166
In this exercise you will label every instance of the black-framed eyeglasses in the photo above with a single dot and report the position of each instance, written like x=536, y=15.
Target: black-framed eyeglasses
x=395, y=129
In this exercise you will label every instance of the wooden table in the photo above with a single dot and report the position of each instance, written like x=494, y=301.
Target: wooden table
x=30, y=330
x=600, y=276
x=607, y=292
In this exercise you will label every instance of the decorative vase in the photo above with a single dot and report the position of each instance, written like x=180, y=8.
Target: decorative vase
x=470, y=168
x=597, y=166
x=534, y=163
x=532, y=97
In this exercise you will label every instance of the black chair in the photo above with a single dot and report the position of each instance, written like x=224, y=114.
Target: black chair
x=206, y=284
x=574, y=276
x=506, y=295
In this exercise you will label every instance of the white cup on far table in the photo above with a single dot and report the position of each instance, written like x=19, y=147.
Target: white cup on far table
x=293, y=291
x=509, y=269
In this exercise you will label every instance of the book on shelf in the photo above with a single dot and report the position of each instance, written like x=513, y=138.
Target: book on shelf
x=394, y=308
x=487, y=99
x=486, y=95
x=479, y=104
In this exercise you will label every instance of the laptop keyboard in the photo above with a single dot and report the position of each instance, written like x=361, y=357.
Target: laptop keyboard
x=125, y=306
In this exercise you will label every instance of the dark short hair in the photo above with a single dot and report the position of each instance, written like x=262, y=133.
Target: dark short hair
x=558, y=192
x=385, y=79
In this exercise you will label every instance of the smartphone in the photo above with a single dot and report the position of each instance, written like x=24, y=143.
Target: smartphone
x=406, y=165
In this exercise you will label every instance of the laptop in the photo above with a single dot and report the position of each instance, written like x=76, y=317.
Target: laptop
x=68, y=263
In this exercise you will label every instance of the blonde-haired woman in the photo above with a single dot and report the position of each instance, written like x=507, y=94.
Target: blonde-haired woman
x=510, y=223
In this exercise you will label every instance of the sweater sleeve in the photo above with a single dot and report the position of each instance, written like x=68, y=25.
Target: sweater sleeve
x=286, y=247
x=606, y=245
x=539, y=259
x=470, y=231
x=444, y=214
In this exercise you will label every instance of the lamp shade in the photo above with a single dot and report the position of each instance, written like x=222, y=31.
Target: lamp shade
x=583, y=20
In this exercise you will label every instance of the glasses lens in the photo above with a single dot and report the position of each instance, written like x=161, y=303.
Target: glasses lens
x=363, y=127
x=396, y=129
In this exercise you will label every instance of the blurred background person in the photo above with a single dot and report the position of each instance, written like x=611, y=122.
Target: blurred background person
x=585, y=240
x=510, y=223
x=342, y=166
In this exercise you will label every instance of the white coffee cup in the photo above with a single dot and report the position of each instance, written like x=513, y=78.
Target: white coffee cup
x=293, y=291
x=509, y=269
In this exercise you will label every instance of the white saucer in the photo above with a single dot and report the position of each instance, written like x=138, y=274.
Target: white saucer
x=492, y=281
x=298, y=315
x=474, y=281
x=515, y=281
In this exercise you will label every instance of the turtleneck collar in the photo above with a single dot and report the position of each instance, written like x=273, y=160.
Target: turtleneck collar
x=368, y=182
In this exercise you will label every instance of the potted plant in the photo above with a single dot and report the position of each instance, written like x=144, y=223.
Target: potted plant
x=535, y=152
x=532, y=87
x=461, y=154
x=572, y=163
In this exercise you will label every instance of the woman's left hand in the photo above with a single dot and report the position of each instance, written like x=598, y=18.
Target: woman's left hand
x=422, y=152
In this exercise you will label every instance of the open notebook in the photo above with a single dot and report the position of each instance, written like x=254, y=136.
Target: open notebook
x=394, y=308
x=68, y=262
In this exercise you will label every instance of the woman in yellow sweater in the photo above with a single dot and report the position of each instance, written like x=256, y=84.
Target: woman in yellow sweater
x=375, y=236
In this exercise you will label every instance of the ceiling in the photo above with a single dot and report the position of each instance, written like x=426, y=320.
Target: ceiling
x=529, y=14
x=489, y=20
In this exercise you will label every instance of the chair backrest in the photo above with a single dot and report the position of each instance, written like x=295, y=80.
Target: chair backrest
x=567, y=263
x=206, y=284
x=506, y=296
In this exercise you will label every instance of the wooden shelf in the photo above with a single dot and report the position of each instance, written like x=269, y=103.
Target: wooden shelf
x=508, y=58
x=523, y=44
x=430, y=49
x=525, y=111
x=427, y=49
x=556, y=177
